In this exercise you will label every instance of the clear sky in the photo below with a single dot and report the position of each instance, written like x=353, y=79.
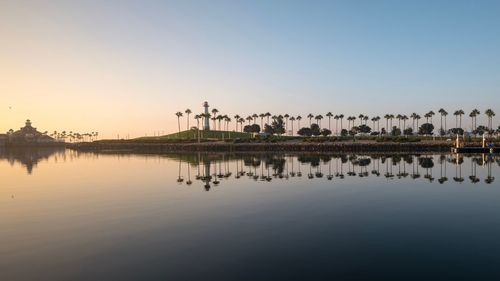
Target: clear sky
x=127, y=66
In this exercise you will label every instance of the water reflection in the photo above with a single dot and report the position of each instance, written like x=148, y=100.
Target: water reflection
x=213, y=169
x=29, y=157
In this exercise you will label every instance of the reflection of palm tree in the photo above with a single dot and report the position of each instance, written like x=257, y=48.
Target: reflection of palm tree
x=189, y=182
x=179, y=178
x=458, y=170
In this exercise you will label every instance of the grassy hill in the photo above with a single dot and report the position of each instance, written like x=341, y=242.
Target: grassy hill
x=206, y=135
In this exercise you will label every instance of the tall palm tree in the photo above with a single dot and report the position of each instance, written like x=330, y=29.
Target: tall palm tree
x=431, y=113
x=179, y=115
x=255, y=116
x=427, y=116
x=336, y=117
x=236, y=118
x=241, y=120
x=442, y=112
x=214, y=115
x=445, y=114
x=292, y=119
x=318, y=119
x=188, y=111
x=267, y=115
x=226, y=120
x=417, y=118
x=374, y=119
x=329, y=115
x=310, y=116
x=399, y=117
x=298, y=120
x=378, y=123
x=413, y=117
x=404, y=118
x=249, y=119
x=490, y=115
x=286, y=121
x=361, y=117
x=366, y=119
x=476, y=113
x=197, y=117
x=387, y=117
x=341, y=116
x=460, y=113
x=262, y=115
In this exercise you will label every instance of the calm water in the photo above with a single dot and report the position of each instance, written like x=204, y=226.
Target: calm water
x=75, y=216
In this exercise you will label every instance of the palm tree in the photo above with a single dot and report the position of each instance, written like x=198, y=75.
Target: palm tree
x=336, y=117
x=413, y=117
x=361, y=117
x=188, y=111
x=214, y=113
x=241, y=120
x=404, y=118
x=460, y=113
x=249, y=119
x=298, y=120
x=442, y=112
x=219, y=119
x=236, y=118
x=227, y=120
x=255, y=116
x=329, y=115
x=472, y=116
x=267, y=115
x=286, y=121
x=427, y=116
x=262, y=115
x=417, y=118
x=292, y=119
x=431, y=113
x=374, y=119
x=318, y=119
x=179, y=115
x=399, y=117
x=445, y=113
x=310, y=116
x=476, y=113
x=197, y=117
x=341, y=116
x=366, y=119
x=490, y=115
x=387, y=117
x=391, y=116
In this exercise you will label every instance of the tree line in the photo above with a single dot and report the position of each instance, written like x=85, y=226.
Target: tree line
x=406, y=124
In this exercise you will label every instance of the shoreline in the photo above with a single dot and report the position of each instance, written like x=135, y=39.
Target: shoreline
x=360, y=146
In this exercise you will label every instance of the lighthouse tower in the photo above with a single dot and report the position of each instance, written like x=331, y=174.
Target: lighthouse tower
x=206, y=125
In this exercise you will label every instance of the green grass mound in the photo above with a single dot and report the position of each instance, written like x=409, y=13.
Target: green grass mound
x=204, y=135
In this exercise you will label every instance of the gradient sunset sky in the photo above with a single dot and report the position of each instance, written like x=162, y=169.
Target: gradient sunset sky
x=126, y=67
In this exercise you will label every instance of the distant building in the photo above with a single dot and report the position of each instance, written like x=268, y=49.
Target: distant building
x=29, y=134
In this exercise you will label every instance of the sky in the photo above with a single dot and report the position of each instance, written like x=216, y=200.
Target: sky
x=126, y=67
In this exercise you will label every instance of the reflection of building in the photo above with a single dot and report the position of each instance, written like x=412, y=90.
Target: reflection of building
x=3, y=139
x=28, y=157
x=29, y=134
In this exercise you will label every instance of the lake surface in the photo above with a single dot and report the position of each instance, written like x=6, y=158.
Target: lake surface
x=83, y=216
